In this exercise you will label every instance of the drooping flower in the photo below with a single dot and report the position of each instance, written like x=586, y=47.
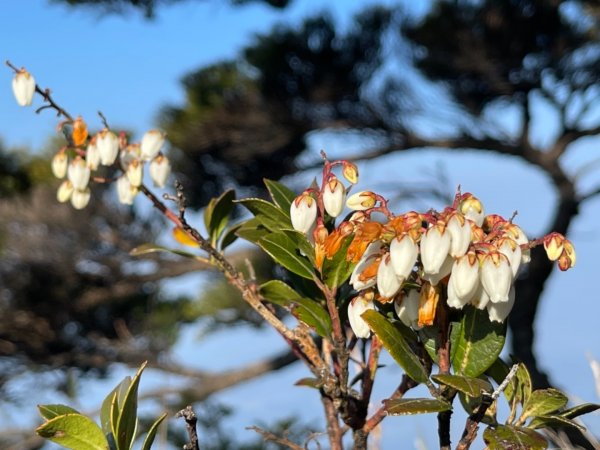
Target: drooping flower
x=435, y=246
x=460, y=233
x=64, y=191
x=472, y=208
x=108, y=146
x=79, y=173
x=59, y=165
x=23, y=86
x=303, y=212
x=350, y=172
x=498, y=312
x=509, y=248
x=135, y=172
x=92, y=155
x=403, y=253
x=445, y=269
x=361, y=201
x=356, y=308
x=428, y=300
x=388, y=283
x=160, y=169
x=496, y=276
x=333, y=197
x=151, y=144
x=407, y=309
x=464, y=280
x=516, y=233
x=554, y=245
x=125, y=190
x=80, y=198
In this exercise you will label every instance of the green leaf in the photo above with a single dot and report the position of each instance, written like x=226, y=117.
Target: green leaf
x=229, y=236
x=515, y=438
x=473, y=387
x=106, y=412
x=51, y=411
x=74, y=431
x=579, y=410
x=431, y=339
x=252, y=230
x=314, y=383
x=284, y=249
x=281, y=195
x=152, y=432
x=543, y=402
x=552, y=421
x=278, y=292
x=216, y=214
x=523, y=381
x=144, y=249
x=479, y=343
x=337, y=269
x=267, y=213
x=394, y=343
x=411, y=406
x=314, y=315
x=127, y=422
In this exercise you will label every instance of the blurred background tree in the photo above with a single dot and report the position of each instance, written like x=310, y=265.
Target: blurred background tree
x=249, y=118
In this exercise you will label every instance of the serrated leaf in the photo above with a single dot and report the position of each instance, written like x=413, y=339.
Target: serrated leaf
x=252, y=230
x=281, y=195
x=74, y=431
x=412, y=406
x=51, y=411
x=579, y=410
x=314, y=383
x=216, y=214
x=314, y=315
x=473, y=387
x=337, y=269
x=267, y=213
x=127, y=423
x=479, y=343
x=505, y=437
x=152, y=432
x=394, y=343
x=285, y=251
x=543, y=402
x=144, y=249
x=552, y=421
x=278, y=292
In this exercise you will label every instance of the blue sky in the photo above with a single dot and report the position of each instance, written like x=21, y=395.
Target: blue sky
x=128, y=68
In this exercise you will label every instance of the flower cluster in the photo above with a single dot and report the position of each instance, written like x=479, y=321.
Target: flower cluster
x=459, y=256
x=85, y=155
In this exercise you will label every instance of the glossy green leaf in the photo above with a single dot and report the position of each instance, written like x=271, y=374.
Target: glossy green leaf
x=252, y=230
x=543, y=402
x=51, y=411
x=74, y=431
x=337, y=270
x=479, y=343
x=106, y=412
x=553, y=421
x=473, y=387
x=229, y=236
x=431, y=339
x=281, y=195
x=579, y=410
x=314, y=315
x=314, y=383
x=267, y=213
x=395, y=344
x=144, y=249
x=278, y=292
x=152, y=432
x=216, y=214
x=412, y=406
x=505, y=437
x=127, y=422
x=523, y=382
x=284, y=249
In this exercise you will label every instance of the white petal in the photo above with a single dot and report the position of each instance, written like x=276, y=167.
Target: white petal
x=23, y=85
x=80, y=198
x=388, y=283
x=303, y=213
x=152, y=141
x=434, y=249
x=355, y=308
x=407, y=309
x=444, y=271
x=460, y=234
x=496, y=277
x=498, y=312
x=403, y=253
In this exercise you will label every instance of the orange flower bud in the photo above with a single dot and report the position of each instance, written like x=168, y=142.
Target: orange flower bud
x=80, y=132
x=430, y=295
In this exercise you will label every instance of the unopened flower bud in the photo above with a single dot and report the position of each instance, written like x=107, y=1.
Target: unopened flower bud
x=125, y=190
x=303, y=212
x=567, y=259
x=554, y=245
x=64, y=191
x=472, y=208
x=135, y=172
x=388, y=283
x=361, y=201
x=108, y=146
x=435, y=246
x=403, y=253
x=496, y=276
x=407, y=309
x=333, y=197
x=79, y=173
x=151, y=144
x=160, y=169
x=356, y=307
x=60, y=163
x=80, y=198
x=350, y=172
x=23, y=85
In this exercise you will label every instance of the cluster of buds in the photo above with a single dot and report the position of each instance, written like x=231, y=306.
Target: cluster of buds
x=86, y=154
x=459, y=256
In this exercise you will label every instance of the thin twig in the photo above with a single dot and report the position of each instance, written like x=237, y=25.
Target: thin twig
x=190, y=418
x=268, y=436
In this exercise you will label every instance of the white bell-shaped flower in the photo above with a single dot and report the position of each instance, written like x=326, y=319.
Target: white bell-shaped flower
x=125, y=190
x=435, y=245
x=23, y=86
x=356, y=307
x=92, y=155
x=460, y=232
x=496, y=276
x=388, y=283
x=160, y=169
x=464, y=280
x=151, y=144
x=407, y=309
x=108, y=147
x=516, y=233
x=509, y=248
x=80, y=198
x=498, y=312
x=481, y=299
x=403, y=253
x=473, y=209
x=64, y=191
x=135, y=172
x=361, y=201
x=334, y=195
x=79, y=173
x=129, y=154
x=303, y=212
x=357, y=281
x=59, y=165
x=445, y=269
